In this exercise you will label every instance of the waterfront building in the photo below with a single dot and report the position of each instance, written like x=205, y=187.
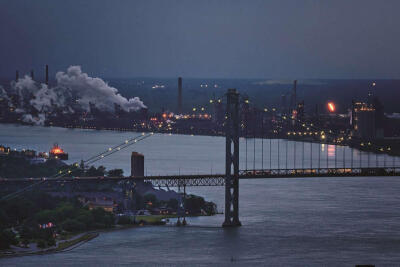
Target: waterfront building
x=368, y=119
x=363, y=121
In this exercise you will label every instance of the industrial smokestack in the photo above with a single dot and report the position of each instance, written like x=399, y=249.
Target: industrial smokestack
x=47, y=74
x=16, y=75
x=180, y=95
x=32, y=75
x=293, y=98
x=295, y=93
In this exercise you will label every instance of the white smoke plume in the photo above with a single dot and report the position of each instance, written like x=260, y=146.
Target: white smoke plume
x=37, y=120
x=3, y=94
x=75, y=90
x=95, y=90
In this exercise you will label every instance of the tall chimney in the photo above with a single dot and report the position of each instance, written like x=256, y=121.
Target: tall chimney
x=295, y=93
x=32, y=75
x=16, y=75
x=180, y=95
x=47, y=74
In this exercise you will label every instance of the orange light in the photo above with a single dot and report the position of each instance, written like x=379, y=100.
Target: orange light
x=164, y=115
x=57, y=151
x=331, y=107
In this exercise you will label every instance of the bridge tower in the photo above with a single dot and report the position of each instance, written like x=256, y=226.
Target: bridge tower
x=232, y=160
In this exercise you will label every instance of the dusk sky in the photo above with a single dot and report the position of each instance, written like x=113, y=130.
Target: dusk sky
x=280, y=39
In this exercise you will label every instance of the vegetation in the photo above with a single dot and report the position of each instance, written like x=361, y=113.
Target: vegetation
x=20, y=167
x=25, y=215
x=123, y=220
x=115, y=173
x=197, y=205
x=69, y=243
x=193, y=204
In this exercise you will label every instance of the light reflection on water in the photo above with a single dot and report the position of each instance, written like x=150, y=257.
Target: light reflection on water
x=331, y=150
x=306, y=222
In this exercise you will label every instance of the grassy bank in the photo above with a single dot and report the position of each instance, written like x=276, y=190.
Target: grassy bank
x=61, y=247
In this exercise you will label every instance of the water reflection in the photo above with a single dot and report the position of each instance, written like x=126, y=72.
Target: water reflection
x=331, y=150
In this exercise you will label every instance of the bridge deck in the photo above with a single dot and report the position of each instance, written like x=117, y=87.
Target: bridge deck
x=219, y=179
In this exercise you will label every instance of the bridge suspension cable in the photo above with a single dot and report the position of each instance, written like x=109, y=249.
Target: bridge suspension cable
x=332, y=138
x=75, y=165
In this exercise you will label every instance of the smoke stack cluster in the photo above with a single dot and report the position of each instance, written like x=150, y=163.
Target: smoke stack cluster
x=180, y=95
x=32, y=75
x=73, y=93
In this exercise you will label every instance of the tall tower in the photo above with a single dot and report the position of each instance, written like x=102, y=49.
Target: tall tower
x=47, y=74
x=16, y=75
x=295, y=94
x=232, y=160
x=137, y=165
x=32, y=75
x=180, y=95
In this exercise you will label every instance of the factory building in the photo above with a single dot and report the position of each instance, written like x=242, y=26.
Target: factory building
x=367, y=120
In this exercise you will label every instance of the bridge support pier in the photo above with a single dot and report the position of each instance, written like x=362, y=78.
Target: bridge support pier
x=232, y=160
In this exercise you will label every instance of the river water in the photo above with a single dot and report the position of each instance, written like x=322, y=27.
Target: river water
x=302, y=222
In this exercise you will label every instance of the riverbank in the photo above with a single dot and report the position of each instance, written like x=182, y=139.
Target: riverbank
x=61, y=246
x=81, y=238
x=388, y=146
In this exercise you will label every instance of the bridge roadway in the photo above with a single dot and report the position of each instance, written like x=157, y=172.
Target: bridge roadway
x=219, y=179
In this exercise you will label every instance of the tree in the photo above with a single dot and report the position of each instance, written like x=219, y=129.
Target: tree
x=102, y=218
x=41, y=243
x=26, y=233
x=173, y=203
x=73, y=225
x=124, y=220
x=150, y=198
x=115, y=173
x=92, y=171
x=7, y=238
x=194, y=204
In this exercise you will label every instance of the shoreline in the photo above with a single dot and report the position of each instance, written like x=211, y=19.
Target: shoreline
x=75, y=242
x=62, y=246
x=220, y=134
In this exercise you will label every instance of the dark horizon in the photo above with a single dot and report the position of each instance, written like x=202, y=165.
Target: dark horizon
x=278, y=39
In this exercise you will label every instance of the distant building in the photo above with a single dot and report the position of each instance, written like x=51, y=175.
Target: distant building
x=367, y=120
x=106, y=204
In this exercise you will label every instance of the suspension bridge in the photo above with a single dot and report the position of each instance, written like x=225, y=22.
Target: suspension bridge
x=282, y=159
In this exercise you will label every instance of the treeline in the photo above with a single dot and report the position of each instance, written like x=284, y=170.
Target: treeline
x=41, y=218
x=19, y=167
x=193, y=204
